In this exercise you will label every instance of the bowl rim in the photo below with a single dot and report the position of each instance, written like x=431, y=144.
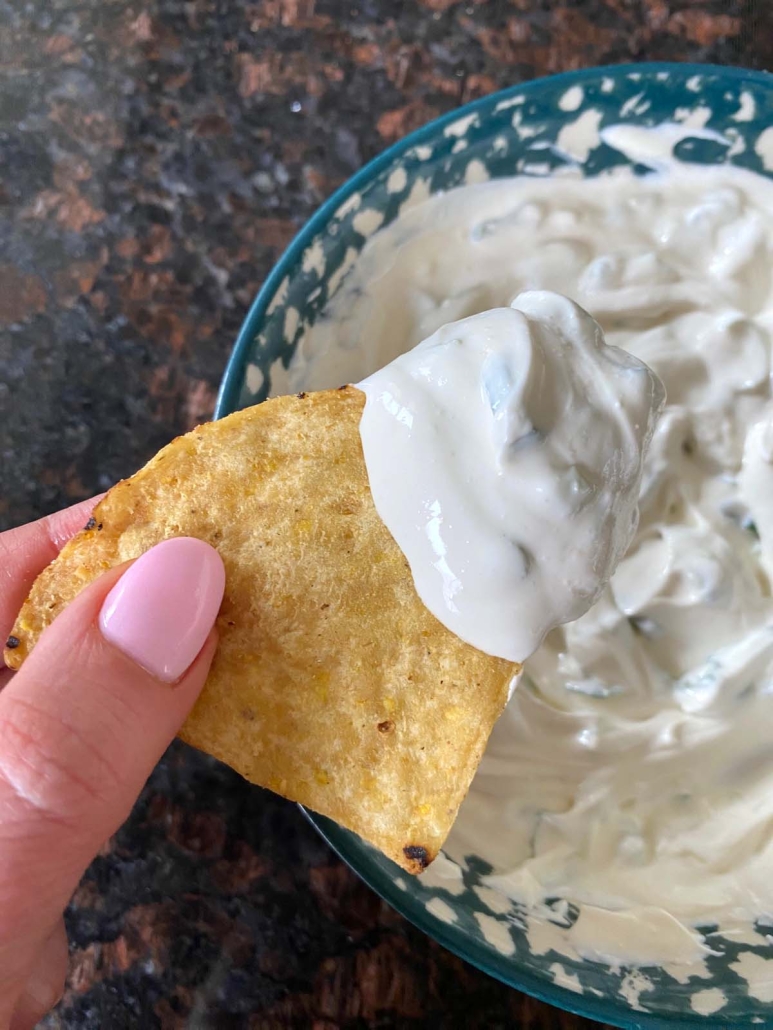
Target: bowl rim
x=235, y=369
x=500, y=968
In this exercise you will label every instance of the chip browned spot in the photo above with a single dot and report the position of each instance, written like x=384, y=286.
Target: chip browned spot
x=417, y=858
x=321, y=633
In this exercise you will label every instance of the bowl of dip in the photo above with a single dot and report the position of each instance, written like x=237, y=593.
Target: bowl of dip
x=615, y=853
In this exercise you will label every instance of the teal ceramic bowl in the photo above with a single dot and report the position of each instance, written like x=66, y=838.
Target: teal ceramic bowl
x=509, y=133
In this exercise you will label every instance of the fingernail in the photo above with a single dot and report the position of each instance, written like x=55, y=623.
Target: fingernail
x=162, y=609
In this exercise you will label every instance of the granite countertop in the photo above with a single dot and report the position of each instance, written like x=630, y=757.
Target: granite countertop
x=155, y=158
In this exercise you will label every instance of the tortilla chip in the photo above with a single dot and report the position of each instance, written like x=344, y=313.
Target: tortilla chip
x=332, y=684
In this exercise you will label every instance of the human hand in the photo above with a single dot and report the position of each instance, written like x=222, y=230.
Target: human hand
x=81, y=726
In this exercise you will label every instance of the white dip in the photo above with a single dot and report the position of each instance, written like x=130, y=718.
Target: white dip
x=633, y=769
x=504, y=455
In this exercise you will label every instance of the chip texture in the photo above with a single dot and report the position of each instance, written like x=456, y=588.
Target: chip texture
x=332, y=683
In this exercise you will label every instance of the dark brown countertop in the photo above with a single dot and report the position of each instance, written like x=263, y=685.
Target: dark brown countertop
x=155, y=158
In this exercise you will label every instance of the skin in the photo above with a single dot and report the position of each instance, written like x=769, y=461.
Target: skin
x=81, y=727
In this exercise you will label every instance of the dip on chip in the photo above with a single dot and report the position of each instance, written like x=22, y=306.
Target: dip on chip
x=332, y=683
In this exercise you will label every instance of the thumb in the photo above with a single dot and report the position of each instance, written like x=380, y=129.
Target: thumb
x=82, y=725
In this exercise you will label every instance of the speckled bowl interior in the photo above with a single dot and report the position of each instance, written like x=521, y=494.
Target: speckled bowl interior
x=524, y=130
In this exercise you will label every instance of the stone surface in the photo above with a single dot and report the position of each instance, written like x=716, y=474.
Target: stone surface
x=155, y=158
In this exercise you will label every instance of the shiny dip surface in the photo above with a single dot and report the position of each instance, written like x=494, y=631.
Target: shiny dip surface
x=504, y=455
x=632, y=772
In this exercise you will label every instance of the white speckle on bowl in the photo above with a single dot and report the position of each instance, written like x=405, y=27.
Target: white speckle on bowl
x=758, y=974
x=693, y=118
x=503, y=105
x=279, y=296
x=524, y=131
x=683, y=974
x=579, y=137
x=695, y=83
x=443, y=874
x=459, y=146
x=349, y=205
x=366, y=222
x=476, y=171
x=496, y=933
x=255, y=378
x=544, y=936
x=280, y=379
x=764, y=148
x=400, y=882
x=441, y=910
x=461, y=125
x=314, y=258
x=398, y=179
x=499, y=145
x=747, y=107
x=607, y=85
x=663, y=76
x=633, y=985
x=335, y=279
x=707, y=1002
x=494, y=900
x=738, y=143
x=419, y=193
x=630, y=104
x=572, y=99
x=292, y=318
x=422, y=152
x=636, y=105
x=561, y=978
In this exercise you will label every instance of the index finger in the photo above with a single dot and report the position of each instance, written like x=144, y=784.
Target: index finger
x=25, y=552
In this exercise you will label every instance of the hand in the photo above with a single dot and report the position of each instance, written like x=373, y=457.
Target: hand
x=81, y=726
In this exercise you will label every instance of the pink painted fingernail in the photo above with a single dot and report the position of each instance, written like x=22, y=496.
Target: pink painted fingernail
x=162, y=609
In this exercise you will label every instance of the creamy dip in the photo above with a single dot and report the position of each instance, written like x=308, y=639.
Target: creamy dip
x=632, y=772
x=504, y=454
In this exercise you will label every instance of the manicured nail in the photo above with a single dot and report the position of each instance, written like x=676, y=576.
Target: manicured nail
x=162, y=609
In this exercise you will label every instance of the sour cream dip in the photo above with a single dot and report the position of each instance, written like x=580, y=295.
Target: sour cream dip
x=504, y=455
